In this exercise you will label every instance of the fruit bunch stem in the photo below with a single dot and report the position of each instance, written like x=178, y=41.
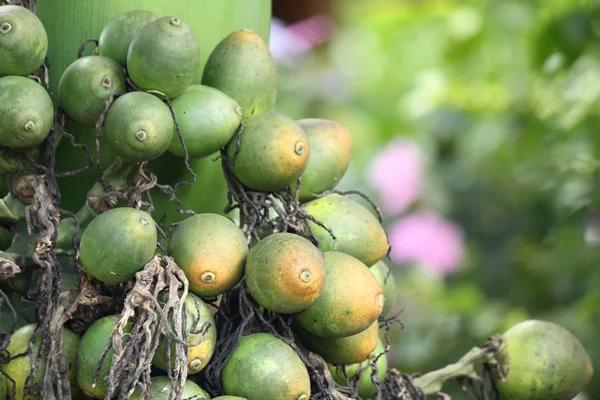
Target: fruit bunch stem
x=432, y=382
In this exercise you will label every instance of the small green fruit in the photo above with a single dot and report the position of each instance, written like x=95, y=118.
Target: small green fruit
x=139, y=127
x=116, y=37
x=86, y=85
x=164, y=56
x=23, y=41
x=242, y=67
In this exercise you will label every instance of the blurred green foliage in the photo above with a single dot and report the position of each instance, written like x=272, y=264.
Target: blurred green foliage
x=503, y=98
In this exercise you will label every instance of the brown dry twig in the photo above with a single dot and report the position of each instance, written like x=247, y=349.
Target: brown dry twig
x=132, y=357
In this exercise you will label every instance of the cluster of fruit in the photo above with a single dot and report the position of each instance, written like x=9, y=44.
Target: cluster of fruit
x=327, y=274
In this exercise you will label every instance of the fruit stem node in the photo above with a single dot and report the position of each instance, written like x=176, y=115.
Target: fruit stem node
x=6, y=28
x=8, y=266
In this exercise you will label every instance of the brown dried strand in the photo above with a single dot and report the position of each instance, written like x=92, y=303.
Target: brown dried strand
x=167, y=189
x=186, y=156
x=149, y=202
x=475, y=386
x=386, y=324
x=255, y=207
x=83, y=46
x=99, y=125
x=5, y=335
x=162, y=240
x=142, y=309
x=240, y=316
x=43, y=216
x=77, y=228
x=488, y=376
x=352, y=192
x=162, y=230
x=297, y=191
x=143, y=182
x=62, y=124
x=13, y=391
x=236, y=189
x=46, y=74
x=399, y=386
x=332, y=388
x=352, y=383
x=322, y=225
x=42, y=169
x=238, y=144
x=124, y=368
x=35, y=78
x=177, y=373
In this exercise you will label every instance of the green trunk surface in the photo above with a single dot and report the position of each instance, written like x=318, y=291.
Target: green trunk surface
x=71, y=22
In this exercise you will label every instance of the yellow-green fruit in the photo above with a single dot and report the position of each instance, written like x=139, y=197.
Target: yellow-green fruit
x=285, y=273
x=27, y=112
x=23, y=41
x=366, y=386
x=350, y=302
x=544, y=361
x=117, y=244
x=341, y=351
x=242, y=67
x=263, y=367
x=165, y=56
x=273, y=152
x=86, y=85
x=3, y=381
x=386, y=280
x=211, y=250
x=203, y=339
x=357, y=230
x=207, y=119
x=139, y=127
x=161, y=390
x=116, y=37
x=92, y=345
x=330, y=150
x=20, y=368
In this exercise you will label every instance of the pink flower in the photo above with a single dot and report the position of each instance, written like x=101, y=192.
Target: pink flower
x=427, y=238
x=287, y=42
x=396, y=175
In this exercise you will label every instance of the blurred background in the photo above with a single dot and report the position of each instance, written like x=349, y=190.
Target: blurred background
x=476, y=128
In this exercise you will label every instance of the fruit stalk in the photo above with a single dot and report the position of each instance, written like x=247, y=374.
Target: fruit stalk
x=432, y=382
x=103, y=193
